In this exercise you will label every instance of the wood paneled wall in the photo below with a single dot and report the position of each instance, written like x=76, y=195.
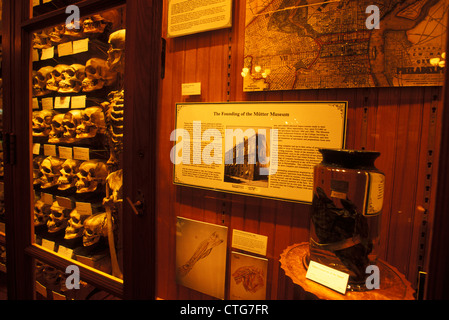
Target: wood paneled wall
x=402, y=123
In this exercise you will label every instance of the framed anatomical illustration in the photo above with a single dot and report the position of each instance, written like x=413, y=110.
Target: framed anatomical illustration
x=77, y=124
x=201, y=256
x=248, y=277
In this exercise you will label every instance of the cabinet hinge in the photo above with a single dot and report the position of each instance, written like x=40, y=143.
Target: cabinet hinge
x=9, y=148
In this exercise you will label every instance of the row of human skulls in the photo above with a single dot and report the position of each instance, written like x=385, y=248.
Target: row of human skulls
x=76, y=225
x=62, y=78
x=85, y=176
x=68, y=127
x=84, y=27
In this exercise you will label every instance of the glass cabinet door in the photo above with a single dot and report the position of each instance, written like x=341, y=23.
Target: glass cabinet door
x=77, y=111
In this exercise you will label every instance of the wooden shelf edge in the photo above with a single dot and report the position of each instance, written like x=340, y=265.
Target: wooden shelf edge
x=92, y=276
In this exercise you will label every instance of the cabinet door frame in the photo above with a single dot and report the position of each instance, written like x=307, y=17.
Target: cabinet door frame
x=143, y=53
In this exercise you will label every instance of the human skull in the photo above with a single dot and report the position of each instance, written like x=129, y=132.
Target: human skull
x=40, y=79
x=56, y=133
x=94, y=24
x=116, y=52
x=98, y=75
x=95, y=227
x=72, y=78
x=57, y=34
x=70, y=122
x=56, y=77
x=41, y=122
x=91, y=175
x=51, y=170
x=41, y=213
x=73, y=29
x=68, y=174
x=75, y=228
x=93, y=122
x=41, y=39
x=59, y=217
x=37, y=174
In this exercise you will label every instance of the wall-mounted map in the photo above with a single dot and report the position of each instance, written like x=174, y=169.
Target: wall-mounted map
x=311, y=44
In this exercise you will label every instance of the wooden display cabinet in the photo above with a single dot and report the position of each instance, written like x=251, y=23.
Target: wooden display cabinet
x=107, y=265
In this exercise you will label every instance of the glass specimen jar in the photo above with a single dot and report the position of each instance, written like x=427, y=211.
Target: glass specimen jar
x=346, y=211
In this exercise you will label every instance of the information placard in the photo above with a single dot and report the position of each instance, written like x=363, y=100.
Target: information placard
x=194, y=16
x=265, y=149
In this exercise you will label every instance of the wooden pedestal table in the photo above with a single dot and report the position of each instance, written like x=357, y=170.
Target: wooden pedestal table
x=393, y=285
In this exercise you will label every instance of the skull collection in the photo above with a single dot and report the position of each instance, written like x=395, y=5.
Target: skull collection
x=95, y=227
x=74, y=78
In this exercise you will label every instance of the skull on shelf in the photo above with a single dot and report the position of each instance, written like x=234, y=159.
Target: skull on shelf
x=41, y=123
x=51, y=170
x=72, y=78
x=56, y=133
x=74, y=29
x=56, y=77
x=57, y=34
x=95, y=227
x=116, y=52
x=98, y=75
x=68, y=174
x=40, y=79
x=41, y=213
x=59, y=217
x=75, y=228
x=70, y=122
x=94, y=24
x=91, y=175
x=41, y=39
x=37, y=174
x=93, y=122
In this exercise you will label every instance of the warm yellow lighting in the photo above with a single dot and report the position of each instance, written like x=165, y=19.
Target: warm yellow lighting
x=257, y=68
x=434, y=61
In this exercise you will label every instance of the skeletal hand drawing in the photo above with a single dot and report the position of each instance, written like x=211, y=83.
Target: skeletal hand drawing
x=251, y=277
x=201, y=252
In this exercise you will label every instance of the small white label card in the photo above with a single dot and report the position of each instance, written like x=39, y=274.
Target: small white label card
x=84, y=208
x=36, y=148
x=64, y=202
x=65, y=49
x=50, y=150
x=78, y=102
x=250, y=242
x=65, y=152
x=62, y=102
x=81, y=153
x=47, y=244
x=35, y=3
x=35, y=103
x=65, y=252
x=80, y=46
x=47, y=198
x=48, y=53
x=40, y=288
x=329, y=277
x=47, y=103
x=35, y=55
x=191, y=89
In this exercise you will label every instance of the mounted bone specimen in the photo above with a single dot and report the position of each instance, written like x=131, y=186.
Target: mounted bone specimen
x=41, y=39
x=57, y=132
x=37, y=174
x=51, y=170
x=41, y=213
x=71, y=78
x=94, y=24
x=95, y=227
x=56, y=77
x=41, y=122
x=114, y=119
x=116, y=52
x=40, y=79
x=98, y=75
x=91, y=175
x=70, y=122
x=75, y=228
x=92, y=123
x=59, y=217
x=68, y=176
